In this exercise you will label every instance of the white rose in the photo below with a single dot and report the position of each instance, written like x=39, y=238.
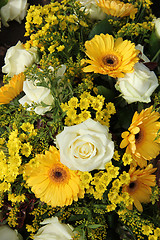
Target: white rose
x=37, y=95
x=157, y=26
x=93, y=9
x=54, y=230
x=6, y=233
x=18, y=58
x=86, y=146
x=141, y=55
x=139, y=85
x=13, y=10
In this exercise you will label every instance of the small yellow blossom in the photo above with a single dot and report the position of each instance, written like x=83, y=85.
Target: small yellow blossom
x=60, y=48
x=127, y=159
x=124, y=178
x=157, y=232
x=26, y=149
x=116, y=156
x=111, y=207
x=146, y=229
x=27, y=127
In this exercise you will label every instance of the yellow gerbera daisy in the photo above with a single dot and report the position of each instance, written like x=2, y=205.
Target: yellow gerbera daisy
x=109, y=56
x=140, y=184
x=140, y=139
x=51, y=181
x=11, y=90
x=117, y=8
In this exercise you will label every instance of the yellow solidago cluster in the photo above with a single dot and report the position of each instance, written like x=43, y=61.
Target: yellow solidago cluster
x=145, y=3
x=54, y=28
x=16, y=198
x=12, y=217
x=97, y=185
x=79, y=110
x=140, y=227
x=10, y=156
x=135, y=29
x=10, y=163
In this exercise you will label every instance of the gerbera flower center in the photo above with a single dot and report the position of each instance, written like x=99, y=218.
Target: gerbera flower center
x=132, y=187
x=138, y=136
x=59, y=174
x=110, y=60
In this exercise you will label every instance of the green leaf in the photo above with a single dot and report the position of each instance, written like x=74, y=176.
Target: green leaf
x=3, y=2
x=107, y=93
x=76, y=217
x=154, y=43
x=95, y=226
x=101, y=27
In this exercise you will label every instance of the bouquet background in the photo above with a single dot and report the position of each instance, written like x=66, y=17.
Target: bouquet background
x=98, y=199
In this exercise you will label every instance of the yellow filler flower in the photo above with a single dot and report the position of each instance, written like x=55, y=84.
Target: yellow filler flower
x=11, y=90
x=117, y=8
x=51, y=181
x=141, y=138
x=110, y=56
x=139, y=187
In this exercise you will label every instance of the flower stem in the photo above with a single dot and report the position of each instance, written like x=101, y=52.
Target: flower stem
x=155, y=56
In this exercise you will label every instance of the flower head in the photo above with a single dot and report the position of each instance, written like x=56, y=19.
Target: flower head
x=11, y=90
x=117, y=8
x=140, y=139
x=51, y=181
x=94, y=11
x=109, y=56
x=53, y=229
x=139, y=85
x=8, y=233
x=85, y=146
x=13, y=10
x=139, y=187
x=17, y=59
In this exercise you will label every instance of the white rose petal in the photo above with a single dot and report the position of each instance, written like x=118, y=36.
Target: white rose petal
x=139, y=85
x=141, y=54
x=54, y=230
x=18, y=58
x=36, y=95
x=86, y=146
x=157, y=26
x=95, y=12
x=6, y=233
x=13, y=10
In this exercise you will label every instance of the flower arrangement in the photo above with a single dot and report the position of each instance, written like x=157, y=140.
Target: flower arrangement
x=79, y=107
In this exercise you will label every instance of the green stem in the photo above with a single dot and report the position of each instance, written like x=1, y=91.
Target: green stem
x=155, y=56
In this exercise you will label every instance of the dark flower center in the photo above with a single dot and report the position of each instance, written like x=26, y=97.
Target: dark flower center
x=110, y=60
x=139, y=136
x=132, y=185
x=59, y=174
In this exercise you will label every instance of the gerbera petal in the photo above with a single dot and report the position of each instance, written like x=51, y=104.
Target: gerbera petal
x=51, y=181
x=117, y=8
x=11, y=90
x=110, y=57
x=142, y=134
x=139, y=187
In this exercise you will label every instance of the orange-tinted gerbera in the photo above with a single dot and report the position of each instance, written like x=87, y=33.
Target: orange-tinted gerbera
x=141, y=138
x=117, y=8
x=11, y=90
x=51, y=181
x=139, y=188
x=110, y=56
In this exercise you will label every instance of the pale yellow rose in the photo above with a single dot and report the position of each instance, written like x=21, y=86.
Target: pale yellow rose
x=13, y=10
x=18, y=58
x=86, y=146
